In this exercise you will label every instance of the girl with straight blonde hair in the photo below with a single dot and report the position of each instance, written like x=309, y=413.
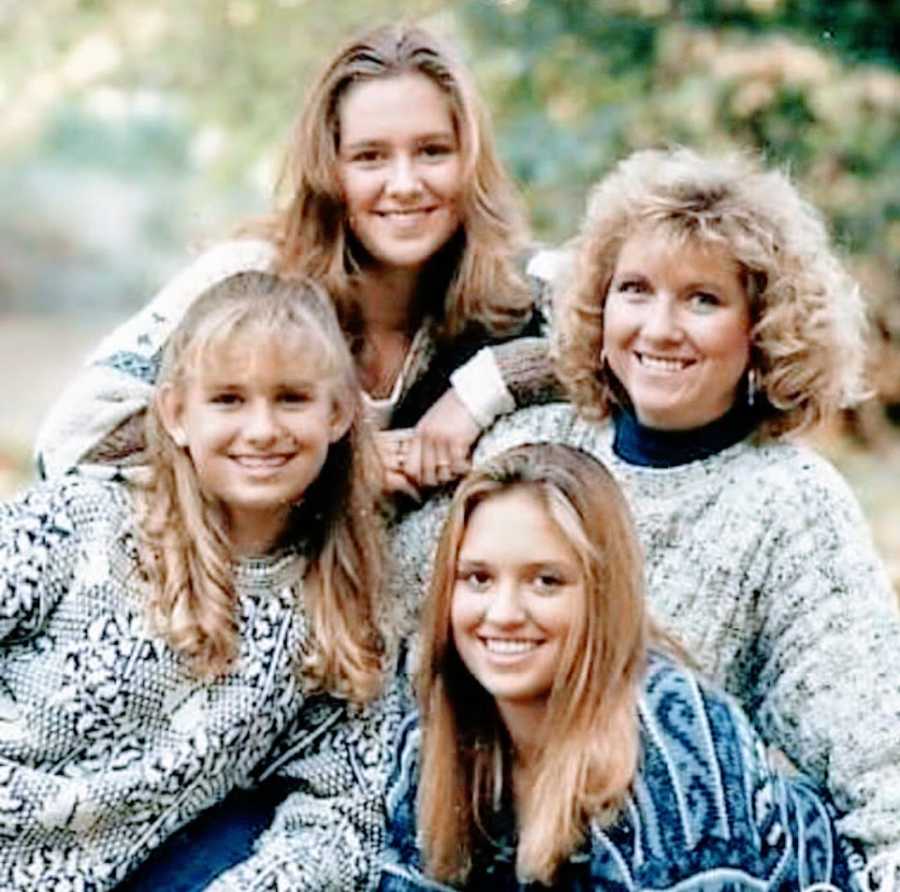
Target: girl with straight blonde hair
x=158, y=640
x=394, y=199
x=556, y=742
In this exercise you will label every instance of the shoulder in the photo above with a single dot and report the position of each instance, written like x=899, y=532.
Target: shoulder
x=234, y=256
x=219, y=262
x=548, y=423
x=74, y=499
x=794, y=482
x=677, y=706
x=547, y=265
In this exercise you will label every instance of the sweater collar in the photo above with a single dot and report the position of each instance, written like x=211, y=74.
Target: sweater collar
x=653, y=448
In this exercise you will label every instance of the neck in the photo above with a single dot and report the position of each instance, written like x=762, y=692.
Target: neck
x=654, y=448
x=387, y=299
x=255, y=535
x=525, y=725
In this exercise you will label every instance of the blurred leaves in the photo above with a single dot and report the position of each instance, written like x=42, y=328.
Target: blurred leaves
x=195, y=100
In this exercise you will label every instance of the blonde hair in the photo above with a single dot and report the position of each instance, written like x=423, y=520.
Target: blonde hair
x=474, y=275
x=184, y=543
x=590, y=750
x=807, y=339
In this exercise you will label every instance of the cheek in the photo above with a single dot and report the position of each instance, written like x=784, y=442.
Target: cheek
x=615, y=325
x=732, y=341
x=465, y=614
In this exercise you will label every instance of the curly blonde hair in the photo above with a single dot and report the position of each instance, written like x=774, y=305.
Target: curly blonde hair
x=808, y=320
x=475, y=276
x=184, y=542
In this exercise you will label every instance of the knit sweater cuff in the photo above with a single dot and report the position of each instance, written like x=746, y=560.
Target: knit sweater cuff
x=525, y=366
x=481, y=389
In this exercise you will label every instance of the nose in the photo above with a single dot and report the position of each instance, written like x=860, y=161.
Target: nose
x=403, y=178
x=260, y=426
x=506, y=608
x=660, y=322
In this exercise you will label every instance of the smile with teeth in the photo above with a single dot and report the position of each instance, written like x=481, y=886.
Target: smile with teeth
x=261, y=461
x=663, y=363
x=510, y=645
x=423, y=209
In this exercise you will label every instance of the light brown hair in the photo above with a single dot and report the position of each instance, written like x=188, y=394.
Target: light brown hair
x=590, y=748
x=184, y=538
x=808, y=321
x=474, y=277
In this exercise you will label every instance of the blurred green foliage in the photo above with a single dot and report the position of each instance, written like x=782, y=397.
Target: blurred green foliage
x=194, y=100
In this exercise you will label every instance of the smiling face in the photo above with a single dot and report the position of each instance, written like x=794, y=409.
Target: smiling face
x=400, y=168
x=257, y=425
x=518, y=589
x=676, y=329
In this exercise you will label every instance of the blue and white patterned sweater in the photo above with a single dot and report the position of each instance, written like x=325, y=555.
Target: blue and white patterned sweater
x=705, y=812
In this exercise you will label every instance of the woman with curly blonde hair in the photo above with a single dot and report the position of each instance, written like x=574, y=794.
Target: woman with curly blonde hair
x=159, y=640
x=707, y=318
x=396, y=202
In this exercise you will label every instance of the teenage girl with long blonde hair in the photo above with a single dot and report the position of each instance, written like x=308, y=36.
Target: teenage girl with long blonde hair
x=157, y=639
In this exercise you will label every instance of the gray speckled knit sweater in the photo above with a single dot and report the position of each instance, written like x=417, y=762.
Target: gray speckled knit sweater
x=107, y=743
x=760, y=561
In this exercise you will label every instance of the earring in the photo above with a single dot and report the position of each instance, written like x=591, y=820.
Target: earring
x=180, y=438
x=751, y=387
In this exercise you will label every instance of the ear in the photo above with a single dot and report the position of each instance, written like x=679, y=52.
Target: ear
x=170, y=408
x=341, y=419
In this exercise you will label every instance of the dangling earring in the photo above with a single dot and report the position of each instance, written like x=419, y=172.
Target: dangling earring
x=751, y=387
x=602, y=358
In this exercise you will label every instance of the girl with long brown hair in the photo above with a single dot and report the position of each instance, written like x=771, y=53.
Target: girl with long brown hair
x=557, y=743
x=395, y=200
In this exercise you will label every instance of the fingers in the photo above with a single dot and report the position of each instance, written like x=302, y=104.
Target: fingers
x=393, y=447
x=441, y=462
x=395, y=482
x=425, y=460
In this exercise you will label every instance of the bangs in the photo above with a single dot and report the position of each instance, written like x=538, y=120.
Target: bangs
x=241, y=336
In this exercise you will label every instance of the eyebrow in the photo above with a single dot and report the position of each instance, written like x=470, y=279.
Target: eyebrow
x=449, y=135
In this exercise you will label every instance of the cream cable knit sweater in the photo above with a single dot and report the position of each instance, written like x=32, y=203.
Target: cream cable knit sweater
x=760, y=562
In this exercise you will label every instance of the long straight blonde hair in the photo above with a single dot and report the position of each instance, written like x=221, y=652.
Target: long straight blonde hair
x=185, y=546
x=474, y=278
x=590, y=746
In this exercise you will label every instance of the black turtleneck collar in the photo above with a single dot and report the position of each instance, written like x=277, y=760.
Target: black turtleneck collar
x=653, y=448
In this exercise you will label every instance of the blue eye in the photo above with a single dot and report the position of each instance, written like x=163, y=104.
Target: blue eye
x=705, y=300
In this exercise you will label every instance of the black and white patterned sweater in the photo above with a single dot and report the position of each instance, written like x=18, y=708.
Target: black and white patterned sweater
x=108, y=743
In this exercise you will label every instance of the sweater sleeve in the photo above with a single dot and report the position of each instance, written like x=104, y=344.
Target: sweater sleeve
x=828, y=692
x=37, y=555
x=707, y=783
x=331, y=833
x=97, y=419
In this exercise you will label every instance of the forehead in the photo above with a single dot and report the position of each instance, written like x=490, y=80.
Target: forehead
x=655, y=246
x=515, y=526
x=295, y=356
x=386, y=108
